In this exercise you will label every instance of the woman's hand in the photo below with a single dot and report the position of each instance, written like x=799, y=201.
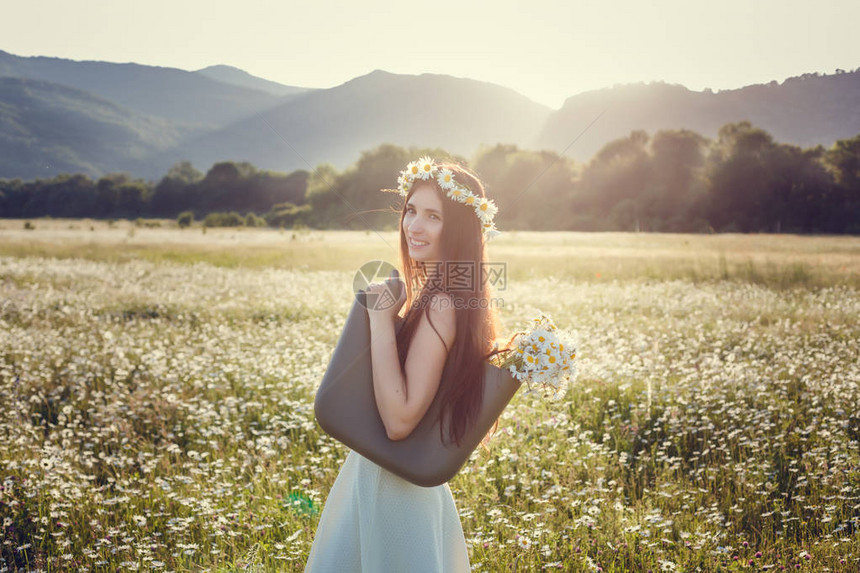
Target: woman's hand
x=384, y=299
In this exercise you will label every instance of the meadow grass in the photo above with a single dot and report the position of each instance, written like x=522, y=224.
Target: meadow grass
x=777, y=261
x=158, y=401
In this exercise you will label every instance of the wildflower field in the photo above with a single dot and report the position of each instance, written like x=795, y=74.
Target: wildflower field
x=157, y=391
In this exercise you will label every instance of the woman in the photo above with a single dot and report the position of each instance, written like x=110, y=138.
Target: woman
x=374, y=520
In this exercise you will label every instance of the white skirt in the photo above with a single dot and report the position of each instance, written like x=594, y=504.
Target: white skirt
x=374, y=521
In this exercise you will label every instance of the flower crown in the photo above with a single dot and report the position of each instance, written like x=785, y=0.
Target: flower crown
x=425, y=168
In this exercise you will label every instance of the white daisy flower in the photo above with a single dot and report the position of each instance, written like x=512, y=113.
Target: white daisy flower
x=544, y=357
x=413, y=169
x=425, y=168
x=403, y=184
x=486, y=209
x=457, y=194
x=542, y=338
x=524, y=542
x=446, y=179
x=492, y=208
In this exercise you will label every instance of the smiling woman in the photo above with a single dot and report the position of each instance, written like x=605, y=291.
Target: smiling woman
x=373, y=519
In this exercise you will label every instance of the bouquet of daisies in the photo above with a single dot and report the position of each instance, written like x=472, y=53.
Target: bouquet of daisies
x=543, y=357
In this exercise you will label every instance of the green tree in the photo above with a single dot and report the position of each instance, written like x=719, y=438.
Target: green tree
x=799, y=192
x=108, y=194
x=613, y=184
x=739, y=177
x=184, y=172
x=676, y=188
x=176, y=191
x=132, y=198
x=231, y=219
x=533, y=189
x=185, y=219
x=843, y=161
x=252, y=220
x=287, y=215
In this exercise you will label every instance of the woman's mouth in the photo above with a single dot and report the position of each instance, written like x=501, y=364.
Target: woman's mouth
x=417, y=244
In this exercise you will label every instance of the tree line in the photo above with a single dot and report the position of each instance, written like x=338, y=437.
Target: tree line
x=673, y=181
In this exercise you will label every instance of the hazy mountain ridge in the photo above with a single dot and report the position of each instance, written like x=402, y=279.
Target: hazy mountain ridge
x=150, y=90
x=333, y=125
x=223, y=113
x=48, y=128
x=239, y=77
x=806, y=110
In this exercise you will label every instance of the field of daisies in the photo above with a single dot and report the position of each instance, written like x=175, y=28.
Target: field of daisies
x=157, y=402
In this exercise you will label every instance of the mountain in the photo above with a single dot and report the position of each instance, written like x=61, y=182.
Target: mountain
x=806, y=111
x=48, y=128
x=60, y=115
x=235, y=76
x=334, y=125
x=186, y=98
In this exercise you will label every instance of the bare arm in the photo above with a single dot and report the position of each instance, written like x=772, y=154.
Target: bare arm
x=403, y=397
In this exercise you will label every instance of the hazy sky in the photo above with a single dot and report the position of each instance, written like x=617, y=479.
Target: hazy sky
x=545, y=50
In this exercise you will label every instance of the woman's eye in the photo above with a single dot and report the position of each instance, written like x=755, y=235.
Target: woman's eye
x=411, y=211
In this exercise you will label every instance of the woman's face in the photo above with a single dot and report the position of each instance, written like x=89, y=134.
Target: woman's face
x=422, y=223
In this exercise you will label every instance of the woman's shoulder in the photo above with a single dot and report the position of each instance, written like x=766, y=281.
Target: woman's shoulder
x=438, y=311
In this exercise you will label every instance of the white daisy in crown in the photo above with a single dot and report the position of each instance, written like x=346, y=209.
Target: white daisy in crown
x=457, y=194
x=412, y=169
x=486, y=210
x=404, y=182
x=425, y=168
x=446, y=179
x=490, y=230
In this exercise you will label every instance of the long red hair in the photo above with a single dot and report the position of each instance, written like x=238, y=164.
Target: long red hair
x=477, y=322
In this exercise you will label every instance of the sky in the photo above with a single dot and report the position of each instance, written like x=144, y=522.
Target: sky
x=545, y=50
